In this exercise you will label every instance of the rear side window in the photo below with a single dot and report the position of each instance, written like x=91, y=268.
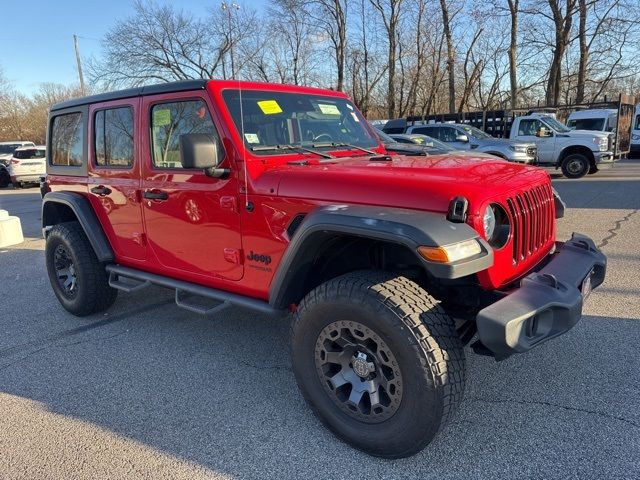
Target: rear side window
x=29, y=154
x=67, y=139
x=113, y=137
x=171, y=120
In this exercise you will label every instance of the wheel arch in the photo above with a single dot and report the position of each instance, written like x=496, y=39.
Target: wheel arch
x=60, y=207
x=335, y=240
x=579, y=149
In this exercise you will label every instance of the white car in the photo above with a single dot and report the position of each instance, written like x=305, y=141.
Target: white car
x=635, y=134
x=27, y=165
x=600, y=119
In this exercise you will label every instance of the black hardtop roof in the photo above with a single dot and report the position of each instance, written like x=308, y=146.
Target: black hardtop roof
x=180, y=86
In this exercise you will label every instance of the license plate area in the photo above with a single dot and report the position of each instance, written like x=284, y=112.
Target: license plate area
x=586, y=285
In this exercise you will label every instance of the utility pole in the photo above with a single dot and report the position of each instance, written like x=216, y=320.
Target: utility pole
x=75, y=44
x=228, y=7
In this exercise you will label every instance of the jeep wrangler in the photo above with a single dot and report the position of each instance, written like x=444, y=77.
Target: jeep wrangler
x=282, y=199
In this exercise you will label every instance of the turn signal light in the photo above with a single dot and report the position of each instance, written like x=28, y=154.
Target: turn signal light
x=451, y=253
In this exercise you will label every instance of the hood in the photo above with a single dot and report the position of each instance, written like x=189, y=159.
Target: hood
x=499, y=142
x=588, y=134
x=422, y=183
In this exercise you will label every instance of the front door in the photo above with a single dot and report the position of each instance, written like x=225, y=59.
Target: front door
x=527, y=130
x=192, y=221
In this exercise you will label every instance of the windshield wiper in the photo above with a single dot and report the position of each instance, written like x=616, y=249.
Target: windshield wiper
x=290, y=147
x=342, y=144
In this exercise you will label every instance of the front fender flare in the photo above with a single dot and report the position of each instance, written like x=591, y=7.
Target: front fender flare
x=409, y=228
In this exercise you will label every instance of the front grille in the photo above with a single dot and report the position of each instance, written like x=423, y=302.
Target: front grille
x=531, y=151
x=532, y=216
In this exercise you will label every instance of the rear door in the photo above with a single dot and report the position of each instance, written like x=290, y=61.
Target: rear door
x=114, y=175
x=192, y=220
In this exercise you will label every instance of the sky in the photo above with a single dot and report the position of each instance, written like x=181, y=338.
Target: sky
x=36, y=37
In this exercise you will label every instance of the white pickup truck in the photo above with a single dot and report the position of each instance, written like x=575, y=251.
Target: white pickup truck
x=576, y=152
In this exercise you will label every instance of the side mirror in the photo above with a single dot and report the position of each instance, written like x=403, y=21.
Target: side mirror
x=202, y=151
x=462, y=138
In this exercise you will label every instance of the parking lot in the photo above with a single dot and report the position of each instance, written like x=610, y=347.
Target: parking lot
x=150, y=390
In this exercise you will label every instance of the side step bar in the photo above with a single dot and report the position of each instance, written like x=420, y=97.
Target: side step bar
x=139, y=279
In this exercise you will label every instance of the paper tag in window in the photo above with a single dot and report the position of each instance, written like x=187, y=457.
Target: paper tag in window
x=269, y=107
x=355, y=117
x=328, y=109
x=161, y=117
x=251, y=138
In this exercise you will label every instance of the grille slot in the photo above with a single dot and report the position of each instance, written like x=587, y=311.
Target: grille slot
x=532, y=218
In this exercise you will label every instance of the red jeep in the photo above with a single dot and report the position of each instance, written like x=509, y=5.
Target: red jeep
x=278, y=198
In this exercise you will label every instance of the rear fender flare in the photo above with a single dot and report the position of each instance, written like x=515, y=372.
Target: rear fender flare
x=84, y=214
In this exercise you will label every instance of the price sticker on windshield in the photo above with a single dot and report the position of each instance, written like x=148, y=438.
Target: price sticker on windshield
x=161, y=117
x=269, y=107
x=328, y=109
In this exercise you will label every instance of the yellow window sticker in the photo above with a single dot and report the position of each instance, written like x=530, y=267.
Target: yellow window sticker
x=269, y=107
x=328, y=109
x=161, y=117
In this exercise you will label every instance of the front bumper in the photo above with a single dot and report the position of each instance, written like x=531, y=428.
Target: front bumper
x=548, y=302
x=521, y=157
x=27, y=178
x=604, y=159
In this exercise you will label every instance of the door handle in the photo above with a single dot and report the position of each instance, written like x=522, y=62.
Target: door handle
x=155, y=195
x=101, y=190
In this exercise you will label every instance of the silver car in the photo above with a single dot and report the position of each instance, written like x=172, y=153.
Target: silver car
x=466, y=137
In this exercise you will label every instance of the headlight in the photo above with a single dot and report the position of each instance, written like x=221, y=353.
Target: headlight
x=497, y=227
x=489, y=222
x=603, y=143
x=518, y=148
x=451, y=253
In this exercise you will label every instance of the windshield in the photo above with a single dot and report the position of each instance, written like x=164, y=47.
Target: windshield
x=556, y=125
x=474, y=132
x=28, y=154
x=586, y=124
x=10, y=148
x=275, y=119
x=434, y=144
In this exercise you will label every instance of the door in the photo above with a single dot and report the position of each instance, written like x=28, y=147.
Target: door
x=527, y=130
x=192, y=221
x=114, y=175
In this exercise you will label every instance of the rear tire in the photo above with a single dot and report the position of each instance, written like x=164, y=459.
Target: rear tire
x=411, y=348
x=5, y=179
x=575, y=165
x=78, y=279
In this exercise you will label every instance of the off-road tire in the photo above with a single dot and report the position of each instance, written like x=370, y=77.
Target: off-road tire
x=570, y=162
x=93, y=293
x=420, y=335
x=5, y=179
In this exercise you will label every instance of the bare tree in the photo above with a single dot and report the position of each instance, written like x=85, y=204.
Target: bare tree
x=513, y=51
x=451, y=55
x=562, y=24
x=390, y=14
x=331, y=16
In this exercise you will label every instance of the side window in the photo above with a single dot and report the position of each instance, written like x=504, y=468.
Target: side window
x=67, y=139
x=433, y=132
x=637, y=126
x=113, y=137
x=448, y=134
x=171, y=120
x=529, y=127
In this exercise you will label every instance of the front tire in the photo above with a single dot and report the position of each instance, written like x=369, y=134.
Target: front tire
x=78, y=279
x=378, y=361
x=575, y=165
x=5, y=179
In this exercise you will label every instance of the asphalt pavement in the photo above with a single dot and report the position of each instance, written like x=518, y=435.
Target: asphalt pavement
x=148, y=390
